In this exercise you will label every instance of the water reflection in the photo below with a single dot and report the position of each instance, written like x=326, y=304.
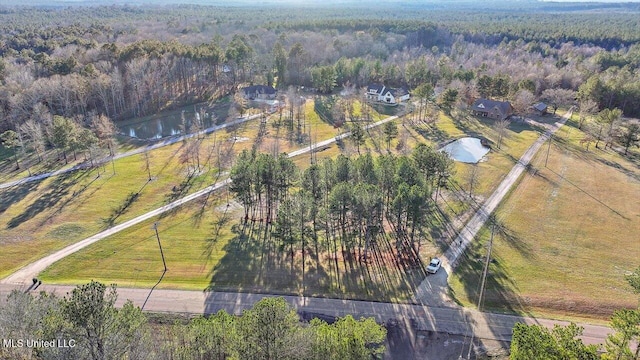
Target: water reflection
x=165, y=126
x=467, y=150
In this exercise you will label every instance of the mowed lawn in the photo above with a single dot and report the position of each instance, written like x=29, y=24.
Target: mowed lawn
x=38, y=218
x=238, y=258
x=570, y=234
x=235, y=258
x=499, y=161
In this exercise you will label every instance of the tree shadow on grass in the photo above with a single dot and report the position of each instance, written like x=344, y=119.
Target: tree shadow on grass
x=589, y=195
x=131, y=198
x=57, y=190
x=432, y=133
x=323, y=106
x=220, y=221
x=15, y=194
x=70, y=199
x=180, y=190
x=255, y=262
x=500, y=289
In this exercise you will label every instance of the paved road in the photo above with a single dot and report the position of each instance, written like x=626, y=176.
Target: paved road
x=455, y=321
x=438, y=284
x=25, y=274
x=140, y=150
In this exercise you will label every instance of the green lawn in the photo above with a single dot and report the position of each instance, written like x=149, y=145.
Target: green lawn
x=41, y=217
x=571, y=233
x=236, y=258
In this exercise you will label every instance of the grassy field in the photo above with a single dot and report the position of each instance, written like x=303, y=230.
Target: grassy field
x=206, y=248
x=570, y=233
x=239, y=259
x=41, y=217
x=235, y=258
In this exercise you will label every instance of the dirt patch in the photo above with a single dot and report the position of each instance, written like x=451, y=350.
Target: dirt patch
x=14, y=239
x=231, y=207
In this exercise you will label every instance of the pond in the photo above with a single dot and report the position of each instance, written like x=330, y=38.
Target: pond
x=170, y=123
x=160, y=126
x=466, y=150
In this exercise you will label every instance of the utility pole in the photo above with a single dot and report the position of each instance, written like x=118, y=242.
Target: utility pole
x=484, y=280
x=548, y=148
x=155, y=227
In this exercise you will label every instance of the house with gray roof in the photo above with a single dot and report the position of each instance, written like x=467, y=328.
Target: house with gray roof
x=498, y=110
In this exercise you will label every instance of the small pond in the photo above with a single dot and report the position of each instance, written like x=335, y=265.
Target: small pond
x=466, y=150
x=162, y=126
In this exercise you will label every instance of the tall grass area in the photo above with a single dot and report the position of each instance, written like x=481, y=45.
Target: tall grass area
x=570, y=234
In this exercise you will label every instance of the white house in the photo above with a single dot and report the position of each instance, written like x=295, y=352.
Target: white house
x=383, y=94
x=263, y=92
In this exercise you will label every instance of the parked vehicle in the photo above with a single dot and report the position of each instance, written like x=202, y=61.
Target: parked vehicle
x=434, y=265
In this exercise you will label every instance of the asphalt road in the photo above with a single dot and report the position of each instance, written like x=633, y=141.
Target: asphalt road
x=25, y=274
x=450, y=320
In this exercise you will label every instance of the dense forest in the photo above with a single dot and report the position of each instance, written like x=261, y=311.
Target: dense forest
x=123, y=61
x=69, y=75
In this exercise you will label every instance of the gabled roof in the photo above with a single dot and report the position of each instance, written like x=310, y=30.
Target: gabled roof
x=540, y=106
x=259, y=89
x=378, y=88
x=398, y=92
x=487, y=105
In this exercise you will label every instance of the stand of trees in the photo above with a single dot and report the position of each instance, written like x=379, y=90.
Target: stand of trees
x=64, y=62
x=69, y=137
x=88, y=323
x=350, y=200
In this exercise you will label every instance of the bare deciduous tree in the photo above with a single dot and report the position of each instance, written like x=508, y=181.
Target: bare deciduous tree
x=501, y=127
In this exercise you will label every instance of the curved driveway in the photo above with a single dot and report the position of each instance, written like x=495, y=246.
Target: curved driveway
x=25, y=274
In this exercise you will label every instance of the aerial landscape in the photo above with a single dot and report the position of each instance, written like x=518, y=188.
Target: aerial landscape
x=319, y=180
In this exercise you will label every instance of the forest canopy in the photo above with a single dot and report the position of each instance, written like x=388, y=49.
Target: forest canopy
x=130, y=61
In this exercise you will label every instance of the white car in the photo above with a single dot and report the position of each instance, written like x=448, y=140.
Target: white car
x=434, y=265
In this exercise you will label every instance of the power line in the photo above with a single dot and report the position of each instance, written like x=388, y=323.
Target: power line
x=483, y=283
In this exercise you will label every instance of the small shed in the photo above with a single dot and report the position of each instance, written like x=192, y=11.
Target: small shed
x=540, y=108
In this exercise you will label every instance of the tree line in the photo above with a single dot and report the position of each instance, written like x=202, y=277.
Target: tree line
x=90, y=325
x=65, y=135
x=349, y=202
x=112, y=68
